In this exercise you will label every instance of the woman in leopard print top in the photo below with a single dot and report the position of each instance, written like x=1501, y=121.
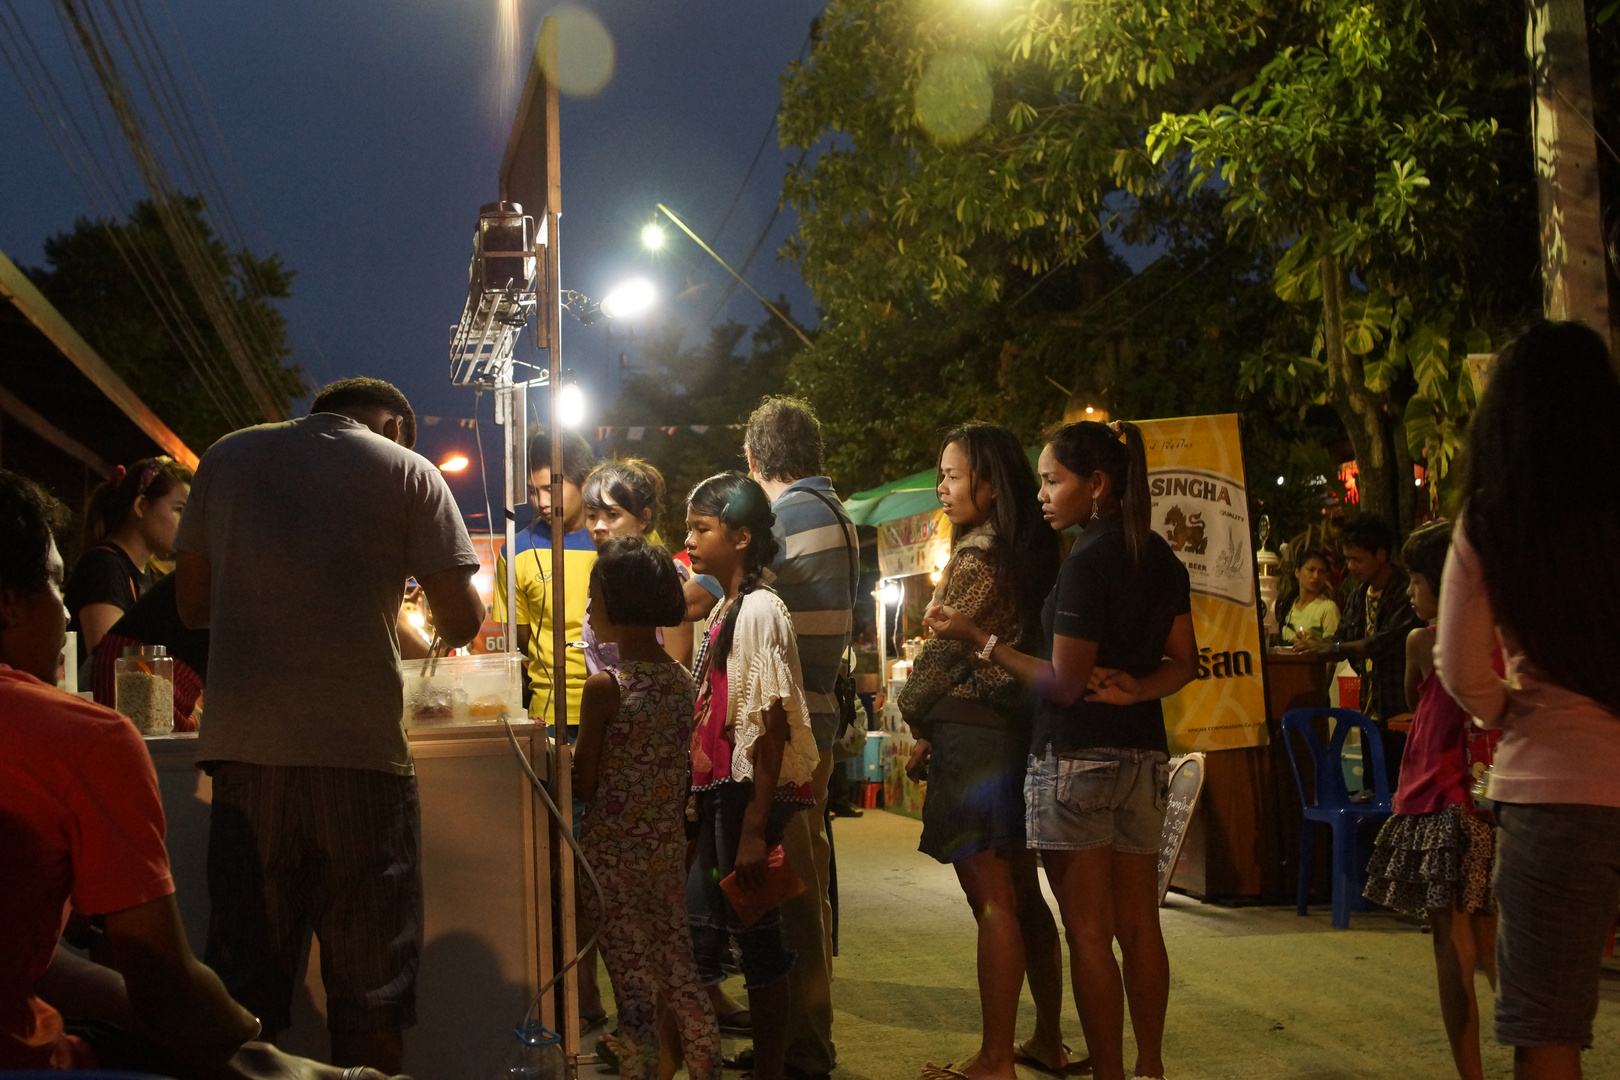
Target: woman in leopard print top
x=972, y=722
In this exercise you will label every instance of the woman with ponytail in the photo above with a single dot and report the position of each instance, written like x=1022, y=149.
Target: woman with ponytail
x=131, y=518
x=972, y=723
x=1121, y=638
x=753, y=752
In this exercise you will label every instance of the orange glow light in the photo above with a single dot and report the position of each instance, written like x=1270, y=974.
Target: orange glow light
x=453, y=463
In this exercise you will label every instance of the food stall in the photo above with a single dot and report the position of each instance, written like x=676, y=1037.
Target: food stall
x=913, y=543
x=486, y=870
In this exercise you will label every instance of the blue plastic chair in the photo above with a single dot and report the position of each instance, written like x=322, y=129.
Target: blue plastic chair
x=1330, y=803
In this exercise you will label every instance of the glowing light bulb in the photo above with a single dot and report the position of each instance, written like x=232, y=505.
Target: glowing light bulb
x=571, y=406
x=652, y=237
x=890, y=593
x=1279, y=481
x=453, y=463
x=628, y=298
x=1089, y=410
x=416, y=620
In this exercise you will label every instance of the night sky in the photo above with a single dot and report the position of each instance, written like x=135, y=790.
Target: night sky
x=365, y=136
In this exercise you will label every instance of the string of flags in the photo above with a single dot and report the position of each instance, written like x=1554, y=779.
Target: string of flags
x=603, y=432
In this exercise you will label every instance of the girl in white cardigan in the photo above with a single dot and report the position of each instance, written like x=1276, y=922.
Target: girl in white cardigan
x=752, y=749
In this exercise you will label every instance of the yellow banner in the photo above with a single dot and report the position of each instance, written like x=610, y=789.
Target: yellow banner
x=1200, y=505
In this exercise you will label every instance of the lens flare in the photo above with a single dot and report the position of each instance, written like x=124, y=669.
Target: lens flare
x=954, y=96
x=585, y=52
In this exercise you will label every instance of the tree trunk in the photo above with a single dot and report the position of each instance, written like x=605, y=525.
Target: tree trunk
x=1361, y=410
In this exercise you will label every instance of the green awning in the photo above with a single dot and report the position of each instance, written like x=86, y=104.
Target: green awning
x=909, y=495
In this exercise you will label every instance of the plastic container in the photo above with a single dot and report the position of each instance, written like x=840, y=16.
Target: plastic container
x=478, y=689
x=143, y=680
x=536, y=1054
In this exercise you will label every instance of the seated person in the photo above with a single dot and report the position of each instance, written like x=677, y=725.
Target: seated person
x=1311, y=612
x=154, y=620
x=80, y=819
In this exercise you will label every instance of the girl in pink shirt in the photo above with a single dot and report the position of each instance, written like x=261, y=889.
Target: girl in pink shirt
x=1434, y=857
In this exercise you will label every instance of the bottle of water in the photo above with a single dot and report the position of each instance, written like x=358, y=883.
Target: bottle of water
x=536, y=1054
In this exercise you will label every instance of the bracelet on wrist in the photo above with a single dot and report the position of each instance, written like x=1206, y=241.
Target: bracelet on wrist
x=989, y=647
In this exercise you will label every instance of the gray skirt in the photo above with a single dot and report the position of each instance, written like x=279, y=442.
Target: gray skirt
x=1438, y=861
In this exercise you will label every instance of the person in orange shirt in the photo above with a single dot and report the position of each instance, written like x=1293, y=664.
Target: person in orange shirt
x=81, y=821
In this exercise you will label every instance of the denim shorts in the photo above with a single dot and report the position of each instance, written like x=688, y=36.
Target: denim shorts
x=1557, y=886
x=1101, y=797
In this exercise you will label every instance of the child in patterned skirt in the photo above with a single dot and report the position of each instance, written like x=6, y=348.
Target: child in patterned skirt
x=630, y=769
x=1435, y=855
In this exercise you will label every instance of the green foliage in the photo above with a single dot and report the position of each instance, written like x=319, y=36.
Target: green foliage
x=1377, y=137
x=90, y=284
x=1375, y=147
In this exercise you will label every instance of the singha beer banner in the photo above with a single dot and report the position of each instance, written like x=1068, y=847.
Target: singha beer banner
x=1200, y=505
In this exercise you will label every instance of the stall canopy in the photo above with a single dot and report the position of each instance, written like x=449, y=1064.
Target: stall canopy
x=66, y=419
x=909, y=495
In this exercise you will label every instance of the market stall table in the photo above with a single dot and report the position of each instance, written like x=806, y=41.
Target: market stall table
x=486, y=886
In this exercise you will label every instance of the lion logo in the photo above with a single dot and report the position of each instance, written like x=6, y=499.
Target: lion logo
x=1185, y=533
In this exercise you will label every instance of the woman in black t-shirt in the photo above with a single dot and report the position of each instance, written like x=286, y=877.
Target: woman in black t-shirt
x=131, y=518
x=1120, y=626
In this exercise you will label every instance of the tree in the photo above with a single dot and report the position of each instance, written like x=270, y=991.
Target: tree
x=712, y=385
x=1373, y=150
x=962, y=160
x=177, y=365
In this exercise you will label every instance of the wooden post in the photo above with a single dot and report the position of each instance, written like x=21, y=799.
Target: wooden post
x=1574, y=275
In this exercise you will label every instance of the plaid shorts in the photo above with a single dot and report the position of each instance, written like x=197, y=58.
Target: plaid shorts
x=295, y=850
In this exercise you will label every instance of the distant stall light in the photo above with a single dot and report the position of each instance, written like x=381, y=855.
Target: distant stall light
x=1279, y=481
x=889, y=592
x=453, y=463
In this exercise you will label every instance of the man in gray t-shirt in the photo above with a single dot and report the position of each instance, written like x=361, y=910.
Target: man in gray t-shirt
x=294, y=550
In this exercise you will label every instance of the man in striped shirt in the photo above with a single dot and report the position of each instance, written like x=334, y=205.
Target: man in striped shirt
x=815, y=575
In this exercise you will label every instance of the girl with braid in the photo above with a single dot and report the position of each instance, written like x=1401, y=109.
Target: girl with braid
x=752, y=750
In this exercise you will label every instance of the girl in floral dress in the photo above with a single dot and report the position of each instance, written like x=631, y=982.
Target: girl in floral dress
x=630, y=769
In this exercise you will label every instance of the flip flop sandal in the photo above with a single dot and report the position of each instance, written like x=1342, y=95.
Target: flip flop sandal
x=1022, y=1056
x=736, y=1022
x=947, y=1072
x=588, y=1024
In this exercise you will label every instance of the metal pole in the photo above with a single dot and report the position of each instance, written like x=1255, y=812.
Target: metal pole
x=563, y=782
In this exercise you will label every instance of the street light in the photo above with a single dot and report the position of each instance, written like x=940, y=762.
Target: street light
x=453, y=463
x=629, y=298
x=652, y=237
x=571, y=405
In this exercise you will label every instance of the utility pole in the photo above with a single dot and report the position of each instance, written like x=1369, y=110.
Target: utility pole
x=1573, y=269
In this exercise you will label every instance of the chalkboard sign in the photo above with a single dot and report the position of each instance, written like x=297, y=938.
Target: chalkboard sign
x=1186, y=782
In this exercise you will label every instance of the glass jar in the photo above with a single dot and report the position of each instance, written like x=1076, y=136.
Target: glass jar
x=143, y=679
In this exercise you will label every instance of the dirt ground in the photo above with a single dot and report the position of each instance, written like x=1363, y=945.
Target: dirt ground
x=1257, y=993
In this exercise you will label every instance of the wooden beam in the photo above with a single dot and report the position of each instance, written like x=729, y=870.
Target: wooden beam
x=14, y=407
x=15, y=286
x=1574, y=273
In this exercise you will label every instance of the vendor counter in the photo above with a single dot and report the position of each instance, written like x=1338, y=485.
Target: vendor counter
x=486, y=880
x=1243, y=841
